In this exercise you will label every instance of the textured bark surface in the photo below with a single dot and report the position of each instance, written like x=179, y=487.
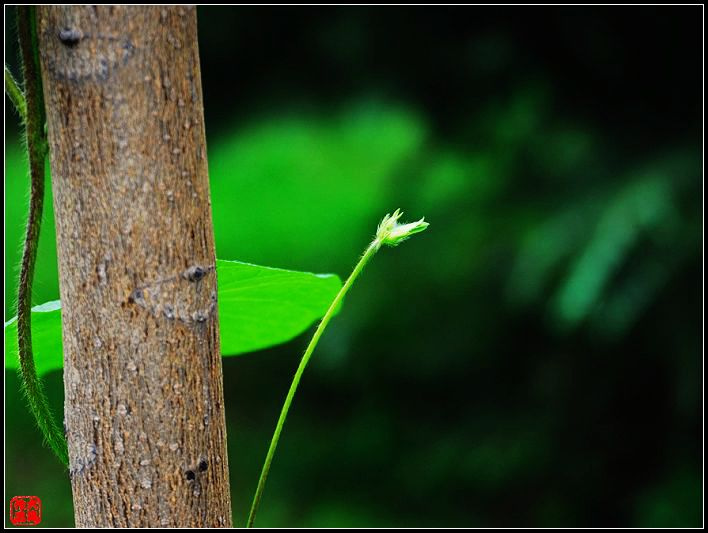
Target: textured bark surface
x=144, y=411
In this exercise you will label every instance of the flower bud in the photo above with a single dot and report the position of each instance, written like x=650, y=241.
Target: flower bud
x=392, y=233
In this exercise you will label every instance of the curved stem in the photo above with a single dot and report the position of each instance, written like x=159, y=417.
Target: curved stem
x=37, y=150
x=368, y=254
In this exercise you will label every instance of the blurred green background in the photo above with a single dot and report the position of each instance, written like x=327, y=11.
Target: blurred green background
x=534, y=358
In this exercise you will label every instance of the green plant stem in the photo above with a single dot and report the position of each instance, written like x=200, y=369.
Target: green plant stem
x=15, y=94
x=368, y=254
x=37, y=151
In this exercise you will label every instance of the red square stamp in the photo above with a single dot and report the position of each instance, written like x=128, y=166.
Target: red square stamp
x=25, y=511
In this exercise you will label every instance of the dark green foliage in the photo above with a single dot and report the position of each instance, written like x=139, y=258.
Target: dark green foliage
x=535, y=360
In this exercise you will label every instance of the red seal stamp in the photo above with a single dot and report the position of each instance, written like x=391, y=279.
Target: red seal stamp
x=25, y=511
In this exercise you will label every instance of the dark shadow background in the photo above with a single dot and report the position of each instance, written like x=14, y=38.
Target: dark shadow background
x=534, y=358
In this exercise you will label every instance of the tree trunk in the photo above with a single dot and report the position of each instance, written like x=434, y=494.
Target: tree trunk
x=144, y=407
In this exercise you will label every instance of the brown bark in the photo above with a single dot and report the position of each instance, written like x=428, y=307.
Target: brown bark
x=144, y=408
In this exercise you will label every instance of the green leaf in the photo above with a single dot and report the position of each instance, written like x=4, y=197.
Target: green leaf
x=46, y=338
x=262, y=306
x=258, y=307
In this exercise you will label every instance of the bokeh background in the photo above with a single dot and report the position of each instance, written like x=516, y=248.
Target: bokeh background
x=535, y=357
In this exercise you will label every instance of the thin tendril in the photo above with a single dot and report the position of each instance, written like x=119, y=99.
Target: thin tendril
x=368, y=254
x=389, y=233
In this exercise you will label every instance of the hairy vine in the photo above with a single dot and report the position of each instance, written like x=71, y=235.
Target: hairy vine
x=33, y=115
x=15, y=94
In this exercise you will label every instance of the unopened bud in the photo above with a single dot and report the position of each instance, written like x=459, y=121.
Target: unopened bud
x=392, y=233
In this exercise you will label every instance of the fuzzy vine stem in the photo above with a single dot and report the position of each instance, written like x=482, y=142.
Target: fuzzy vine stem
x=390, y=233
x=37, y=151
x=15, y=94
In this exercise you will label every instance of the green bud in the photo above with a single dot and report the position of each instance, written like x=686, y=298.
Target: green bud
x=392, y=233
